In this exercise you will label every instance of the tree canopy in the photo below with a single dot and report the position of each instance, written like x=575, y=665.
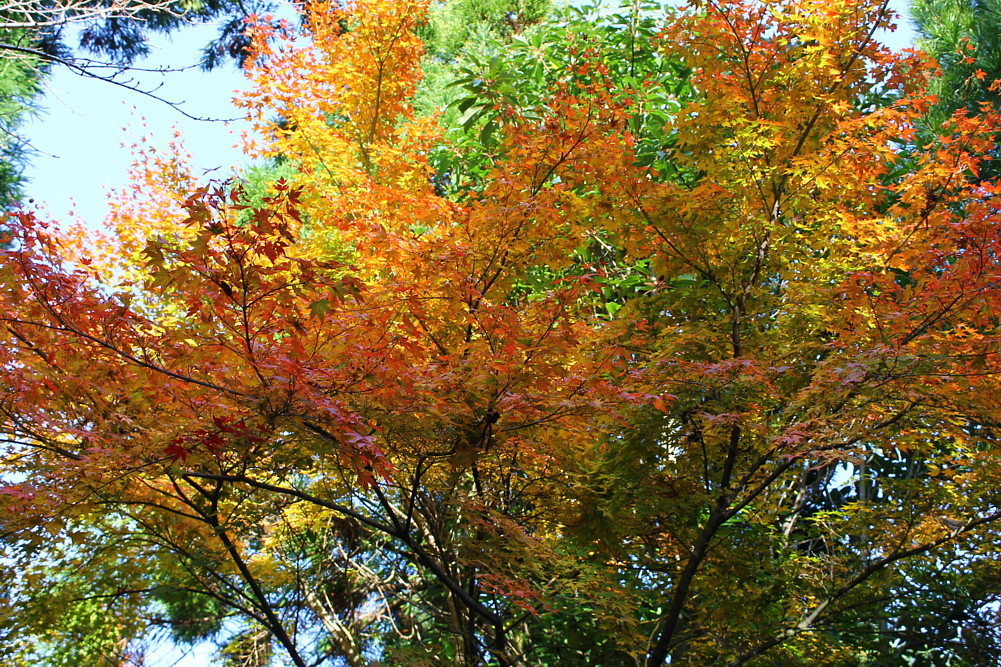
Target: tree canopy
x=666, y=342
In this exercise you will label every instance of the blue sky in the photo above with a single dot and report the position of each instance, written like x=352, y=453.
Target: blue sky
x=82, y=138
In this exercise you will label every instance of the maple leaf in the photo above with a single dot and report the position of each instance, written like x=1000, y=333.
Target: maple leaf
x=177, y=451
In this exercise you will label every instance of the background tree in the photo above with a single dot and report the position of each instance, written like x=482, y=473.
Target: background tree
x=19, y=87
x=962, y=35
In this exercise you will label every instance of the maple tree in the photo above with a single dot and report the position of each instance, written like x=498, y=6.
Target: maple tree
x=652, y=353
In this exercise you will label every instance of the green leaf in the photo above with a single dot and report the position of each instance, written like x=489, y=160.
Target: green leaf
x=319, y=308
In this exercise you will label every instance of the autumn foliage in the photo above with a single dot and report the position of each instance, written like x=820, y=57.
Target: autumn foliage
x=690, y=357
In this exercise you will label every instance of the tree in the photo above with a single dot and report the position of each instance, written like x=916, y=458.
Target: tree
x=19, y=84
x=675, y=365
x=962, y=36
x=118, y=31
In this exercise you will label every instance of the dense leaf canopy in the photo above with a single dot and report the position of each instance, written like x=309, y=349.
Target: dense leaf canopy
x=665, y=341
